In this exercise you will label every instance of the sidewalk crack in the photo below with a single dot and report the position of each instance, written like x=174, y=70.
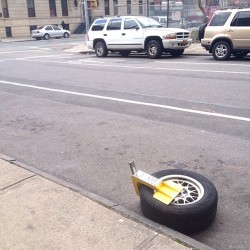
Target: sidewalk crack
x=17, y=182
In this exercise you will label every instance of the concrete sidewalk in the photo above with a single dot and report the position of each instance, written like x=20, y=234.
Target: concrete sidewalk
x=36, y=212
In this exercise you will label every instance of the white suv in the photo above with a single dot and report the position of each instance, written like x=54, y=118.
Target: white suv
x=136, y=33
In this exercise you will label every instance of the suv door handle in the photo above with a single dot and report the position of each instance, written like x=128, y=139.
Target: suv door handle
x=123, y=34
x=104, y=34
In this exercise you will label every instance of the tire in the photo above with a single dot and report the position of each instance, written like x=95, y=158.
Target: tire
x=101, y=49
x=124, y=53
x=190, y=211
x=66, y=35
x=176, y=53
x=46, y=36
x=154, y=49
x=201, y=31
x=221, y=51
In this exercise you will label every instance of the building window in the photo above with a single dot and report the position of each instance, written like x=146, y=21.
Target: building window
x=106, y=6
x=64, y=5
x=115, y=3
x=52, y=7
x=5, y=9
x=32, y=27
x=8, y=31
x=31, y=8
x=140, y=7
x=129, y=7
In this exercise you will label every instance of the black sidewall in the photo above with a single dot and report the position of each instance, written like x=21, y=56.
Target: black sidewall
x=186, y=218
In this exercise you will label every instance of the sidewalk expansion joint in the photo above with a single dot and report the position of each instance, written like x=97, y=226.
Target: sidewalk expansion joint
x=146, y=242
x=18, y=182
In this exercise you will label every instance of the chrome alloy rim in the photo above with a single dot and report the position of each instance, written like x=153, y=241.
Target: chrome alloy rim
x=192, y=191
x=221, y=50
x=152, y=50
x=99, y=50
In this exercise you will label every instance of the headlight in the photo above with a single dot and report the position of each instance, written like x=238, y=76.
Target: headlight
x=170, y=36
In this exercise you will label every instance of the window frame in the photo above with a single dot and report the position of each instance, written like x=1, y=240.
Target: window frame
x=31, y=8
x=52, y=8
x=65, y=8
x=5, y=9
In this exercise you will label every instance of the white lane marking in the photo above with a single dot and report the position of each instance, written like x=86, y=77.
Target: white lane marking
x=130, y=101
x=216, y=64
x=44, y=56
x=20, y=51
x=143, y=67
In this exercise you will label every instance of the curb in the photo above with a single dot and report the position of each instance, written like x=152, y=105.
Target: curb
x=172, y=234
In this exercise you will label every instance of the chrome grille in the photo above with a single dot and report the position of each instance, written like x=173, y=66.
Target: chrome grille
x=182, y=35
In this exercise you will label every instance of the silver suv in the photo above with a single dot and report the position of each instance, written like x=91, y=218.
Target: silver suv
x=228, y=32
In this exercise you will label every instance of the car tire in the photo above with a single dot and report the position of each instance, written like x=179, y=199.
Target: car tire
x=46, y=36
x=221, y=51
x=124, y=53
x=201, y=31
x=191, y=211
x=101, y=49
x=66, y=35
x=154, y=49
x=176, y=53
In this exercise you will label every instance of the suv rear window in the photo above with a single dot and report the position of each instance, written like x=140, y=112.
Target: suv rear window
x=220, y=18
x=99, y=25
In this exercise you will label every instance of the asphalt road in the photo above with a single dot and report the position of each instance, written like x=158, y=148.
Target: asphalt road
x=83, y=118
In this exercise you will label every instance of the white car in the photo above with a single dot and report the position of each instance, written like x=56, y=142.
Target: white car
x=49, y=31
x=136, y=33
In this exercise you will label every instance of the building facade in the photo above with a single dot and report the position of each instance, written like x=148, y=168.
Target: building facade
x=19, y=17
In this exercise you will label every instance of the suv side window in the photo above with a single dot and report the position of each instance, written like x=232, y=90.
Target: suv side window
x=114, y=24
x=241, y=19
x=99, y=25
x=220, y=18
x=130, y=24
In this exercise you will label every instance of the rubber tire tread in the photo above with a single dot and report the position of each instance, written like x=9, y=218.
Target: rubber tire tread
x=105, y=50
x=226, y=57
x=159, y=49
x=187, y=219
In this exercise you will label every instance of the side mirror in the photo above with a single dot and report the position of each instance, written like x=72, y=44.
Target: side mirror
x=135, y=27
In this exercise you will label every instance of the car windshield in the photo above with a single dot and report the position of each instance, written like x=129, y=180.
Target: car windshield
x=147, y=22
x=41, y=27
x=220, y=18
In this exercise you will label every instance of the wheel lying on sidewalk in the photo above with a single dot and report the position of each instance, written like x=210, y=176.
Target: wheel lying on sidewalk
x=191, y=211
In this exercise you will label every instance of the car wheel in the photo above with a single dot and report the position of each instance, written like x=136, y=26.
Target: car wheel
x=221, y=51
x=101, y=49
x=124, y=53
x=191, y=211
x=201, y=31
x=66, y=35
x=176, y=53
x=154, y=49
x=46, y=36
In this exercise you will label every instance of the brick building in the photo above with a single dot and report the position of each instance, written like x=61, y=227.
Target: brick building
x=19, y=17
